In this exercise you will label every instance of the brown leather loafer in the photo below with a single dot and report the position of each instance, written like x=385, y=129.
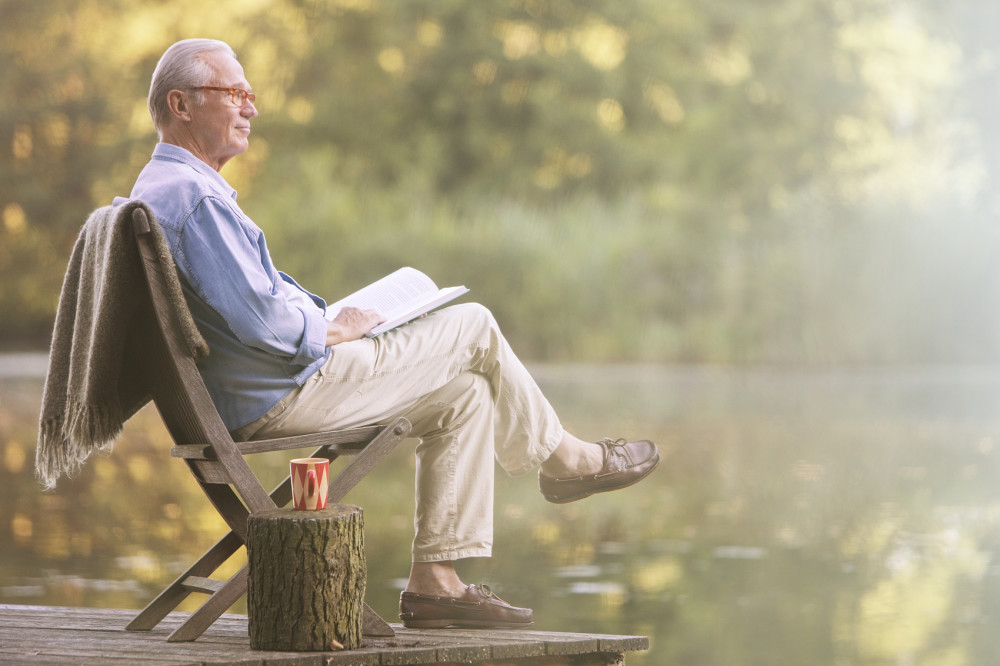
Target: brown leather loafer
x=478, y=607
x=625, y=463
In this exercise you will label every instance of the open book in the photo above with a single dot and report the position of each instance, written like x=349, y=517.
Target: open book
x=399, y=297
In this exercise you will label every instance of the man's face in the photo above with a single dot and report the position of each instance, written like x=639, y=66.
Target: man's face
x=219, y=128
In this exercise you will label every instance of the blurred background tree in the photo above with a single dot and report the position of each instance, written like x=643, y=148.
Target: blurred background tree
x=772, y=181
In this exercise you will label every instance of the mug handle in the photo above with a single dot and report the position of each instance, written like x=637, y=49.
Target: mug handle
x=311, y=483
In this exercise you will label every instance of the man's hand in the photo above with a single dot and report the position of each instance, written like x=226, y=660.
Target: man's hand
x=351, y=324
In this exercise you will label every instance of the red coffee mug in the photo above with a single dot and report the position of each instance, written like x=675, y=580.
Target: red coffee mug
x=310, y=483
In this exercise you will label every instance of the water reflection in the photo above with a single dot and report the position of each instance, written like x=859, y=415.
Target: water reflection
x=798, y=517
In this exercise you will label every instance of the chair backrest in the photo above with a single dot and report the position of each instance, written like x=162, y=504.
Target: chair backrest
x=178, y=390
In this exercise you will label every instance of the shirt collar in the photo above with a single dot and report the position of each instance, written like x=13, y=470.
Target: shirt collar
x=171, y=152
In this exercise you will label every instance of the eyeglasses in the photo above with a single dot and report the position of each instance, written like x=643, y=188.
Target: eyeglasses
x=239, y=96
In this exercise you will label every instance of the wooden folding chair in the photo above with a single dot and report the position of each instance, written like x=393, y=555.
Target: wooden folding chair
x=216, y=461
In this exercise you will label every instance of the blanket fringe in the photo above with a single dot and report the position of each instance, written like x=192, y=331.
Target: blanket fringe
x=64, y=445
x=95, y=380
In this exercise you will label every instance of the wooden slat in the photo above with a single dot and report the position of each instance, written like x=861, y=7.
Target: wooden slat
x=343, y=441
x=91, y=636
x=202, y=584
x=209, y=471
x=217, y=604
x=505, y=644
x=187, y=408
x=175, y=593
x=229, y=507
x=374, y=453
x=336, y=438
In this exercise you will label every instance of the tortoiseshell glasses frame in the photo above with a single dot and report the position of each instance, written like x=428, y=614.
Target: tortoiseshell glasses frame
x=238, y=95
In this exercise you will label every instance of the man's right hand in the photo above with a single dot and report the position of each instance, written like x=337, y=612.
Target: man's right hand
x=351, y=324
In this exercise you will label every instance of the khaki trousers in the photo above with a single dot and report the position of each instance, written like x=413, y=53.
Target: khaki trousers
x=470, y=400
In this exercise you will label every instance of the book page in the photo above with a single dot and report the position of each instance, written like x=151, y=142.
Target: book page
x=420, y=307
x=399, y=297
x=388, y=296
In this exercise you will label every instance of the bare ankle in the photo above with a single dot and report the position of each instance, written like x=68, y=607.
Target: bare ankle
x=573, y=457
x=435, y=579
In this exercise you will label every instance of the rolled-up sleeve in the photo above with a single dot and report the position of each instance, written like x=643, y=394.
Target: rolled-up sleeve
x=224, y=258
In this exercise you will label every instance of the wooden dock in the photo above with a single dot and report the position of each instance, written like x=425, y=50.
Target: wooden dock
x=58, y=635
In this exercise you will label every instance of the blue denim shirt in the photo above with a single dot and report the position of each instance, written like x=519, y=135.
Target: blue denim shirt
x=267, y=335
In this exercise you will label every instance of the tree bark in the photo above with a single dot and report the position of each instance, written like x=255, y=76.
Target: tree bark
x=307, y=576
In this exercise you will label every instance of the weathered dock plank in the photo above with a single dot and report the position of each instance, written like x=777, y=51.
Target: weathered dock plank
x=45, y=634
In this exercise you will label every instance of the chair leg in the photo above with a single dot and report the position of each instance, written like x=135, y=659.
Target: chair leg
x=370, y=456
x=372, y=623
x=224, y=595
x=205, y=566
x=217, y=604
x=177, y=592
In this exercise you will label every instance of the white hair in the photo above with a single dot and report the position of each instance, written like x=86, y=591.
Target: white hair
x=183, y=65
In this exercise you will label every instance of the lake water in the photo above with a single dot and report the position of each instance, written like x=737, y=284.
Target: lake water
x=798, y=517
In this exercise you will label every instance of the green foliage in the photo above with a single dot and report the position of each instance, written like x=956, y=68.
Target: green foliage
x=641, y=180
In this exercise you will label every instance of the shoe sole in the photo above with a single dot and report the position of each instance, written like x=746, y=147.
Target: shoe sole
x=463, y=624
x=574, y=498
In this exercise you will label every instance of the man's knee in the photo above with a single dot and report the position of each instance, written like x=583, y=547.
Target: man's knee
x=477, y=315
x=467, y=392
x=453, y=404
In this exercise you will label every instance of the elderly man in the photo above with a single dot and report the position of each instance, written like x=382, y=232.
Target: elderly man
x=278, y=367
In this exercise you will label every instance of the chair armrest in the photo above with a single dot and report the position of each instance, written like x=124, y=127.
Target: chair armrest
x=345, y=441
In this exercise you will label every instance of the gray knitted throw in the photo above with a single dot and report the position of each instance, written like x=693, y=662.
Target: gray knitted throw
x=95, y=381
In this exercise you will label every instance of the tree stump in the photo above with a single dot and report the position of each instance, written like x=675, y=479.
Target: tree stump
x=307, y=576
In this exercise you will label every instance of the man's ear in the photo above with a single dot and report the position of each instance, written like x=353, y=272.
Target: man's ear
x=180, y=105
